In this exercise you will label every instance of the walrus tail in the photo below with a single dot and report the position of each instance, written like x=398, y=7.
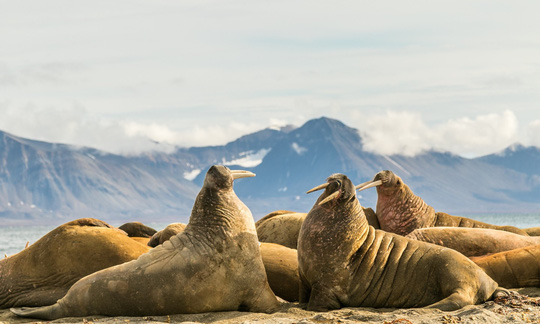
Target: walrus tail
x=50, y=312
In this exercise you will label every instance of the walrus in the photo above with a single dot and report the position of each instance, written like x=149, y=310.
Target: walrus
x=532, y=231
x=514, y=268
x=137, y=229
x=165, y=234
x=400, y=211
x=282, y=226
x=344, y=262
x=43, y=272
x=280, y=263
x=213, y=265
x=473, y=241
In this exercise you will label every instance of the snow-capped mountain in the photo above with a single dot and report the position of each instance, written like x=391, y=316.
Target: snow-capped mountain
x=52, y=182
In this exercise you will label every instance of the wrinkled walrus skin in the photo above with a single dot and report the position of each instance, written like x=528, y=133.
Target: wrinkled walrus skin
x=473, y=241
x=515, y=268
x=280, y=263
x=42, y=273
x=400, y=211
x=282, y=227
x=214, y=265
x=344, y=262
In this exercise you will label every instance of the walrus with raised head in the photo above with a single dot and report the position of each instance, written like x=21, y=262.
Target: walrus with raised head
x=400, y=211
x=344, y=262
x=43, y=272
x=473, y=241
x=213, y=265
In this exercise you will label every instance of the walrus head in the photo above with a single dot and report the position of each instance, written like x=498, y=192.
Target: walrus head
x=338, y=188
x=221, y=177
x=399, y=210
x=384, y=181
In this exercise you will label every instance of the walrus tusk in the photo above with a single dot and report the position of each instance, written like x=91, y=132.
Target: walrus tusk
x=368, y=184
x=319, y=187
x=327, y=199
x=237, y=174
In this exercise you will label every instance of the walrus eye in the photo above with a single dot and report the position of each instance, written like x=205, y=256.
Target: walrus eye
x=398, y=182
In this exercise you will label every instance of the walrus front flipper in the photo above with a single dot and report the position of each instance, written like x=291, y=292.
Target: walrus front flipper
x=50, y=312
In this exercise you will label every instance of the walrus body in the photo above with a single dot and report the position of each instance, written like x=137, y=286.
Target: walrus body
x=42, y=273
x=344, y=262
x=400, y=211
x=473, y=241
x=214, y=265
x=282, y=227
x=533, y=231
x=137, y=229
x=165, y=234
x=515, y=268
x=280, y=263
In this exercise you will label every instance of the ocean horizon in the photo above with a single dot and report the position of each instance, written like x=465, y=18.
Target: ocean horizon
x=14, y=238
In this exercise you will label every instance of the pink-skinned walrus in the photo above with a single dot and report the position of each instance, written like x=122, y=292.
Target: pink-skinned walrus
x=400, y=211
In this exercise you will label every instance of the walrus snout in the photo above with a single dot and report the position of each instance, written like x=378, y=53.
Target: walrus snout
x=337, y=186
x=384, y=178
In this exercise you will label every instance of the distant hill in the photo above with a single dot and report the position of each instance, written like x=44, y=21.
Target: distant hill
x=47, y=182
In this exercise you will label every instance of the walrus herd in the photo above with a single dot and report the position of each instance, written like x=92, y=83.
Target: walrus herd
x=339, y=254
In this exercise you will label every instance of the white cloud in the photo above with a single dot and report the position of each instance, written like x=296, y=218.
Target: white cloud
x=396, y=133
x=533, y=133
x=406, y=133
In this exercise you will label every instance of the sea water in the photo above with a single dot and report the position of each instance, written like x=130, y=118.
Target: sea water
x=13, y=239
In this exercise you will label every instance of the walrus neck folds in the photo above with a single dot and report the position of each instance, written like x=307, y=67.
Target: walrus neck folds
x=226, y=218
x=401, y=211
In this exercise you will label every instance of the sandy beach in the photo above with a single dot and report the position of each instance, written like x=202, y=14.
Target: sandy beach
x=522, y=307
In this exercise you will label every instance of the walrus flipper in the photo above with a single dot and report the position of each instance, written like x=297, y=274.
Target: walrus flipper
x=50, y=312
x=455, y=301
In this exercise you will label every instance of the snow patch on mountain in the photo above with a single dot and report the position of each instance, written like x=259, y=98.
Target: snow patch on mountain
x=249, y=159
x=298, y=149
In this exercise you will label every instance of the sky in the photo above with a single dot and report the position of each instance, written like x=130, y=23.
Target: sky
x=458, y=76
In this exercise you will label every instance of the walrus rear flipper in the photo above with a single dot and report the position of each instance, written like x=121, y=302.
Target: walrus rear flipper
x=50, y=312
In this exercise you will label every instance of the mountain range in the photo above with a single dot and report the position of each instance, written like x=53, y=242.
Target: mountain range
x=51, y=183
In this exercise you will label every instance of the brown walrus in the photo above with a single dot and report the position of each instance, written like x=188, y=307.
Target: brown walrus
x=344, y=262
x=515, y=268
x=533, y=231
x=165, y=234
x=282, y=226
x=280, y=263
x=473, y=241
x=42, y=273
x=137, y=229
x=400, y=211
x=213, y=265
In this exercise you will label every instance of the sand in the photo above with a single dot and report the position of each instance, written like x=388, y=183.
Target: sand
x=522, y=307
